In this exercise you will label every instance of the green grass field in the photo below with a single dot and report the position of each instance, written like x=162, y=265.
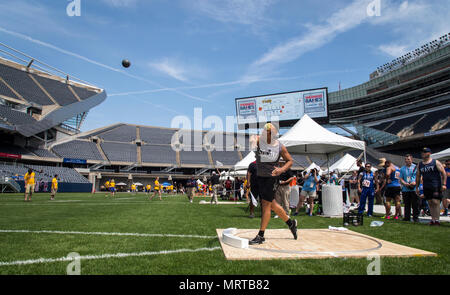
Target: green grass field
x=174, y=215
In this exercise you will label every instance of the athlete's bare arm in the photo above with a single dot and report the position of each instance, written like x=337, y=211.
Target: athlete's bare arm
x=277, y=171
x=441, y=169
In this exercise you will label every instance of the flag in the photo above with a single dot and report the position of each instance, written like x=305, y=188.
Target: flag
x=219, y=164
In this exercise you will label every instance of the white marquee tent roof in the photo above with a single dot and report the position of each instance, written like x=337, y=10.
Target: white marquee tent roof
x=244, y=163
x=345, y=164
x=445, y=154
x=308, y=137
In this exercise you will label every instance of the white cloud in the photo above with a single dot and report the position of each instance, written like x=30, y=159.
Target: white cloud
x=393, y=50
x=180, y=70
x=317, y=35
x=412, y=24
x=170, y=68
x=247, y=12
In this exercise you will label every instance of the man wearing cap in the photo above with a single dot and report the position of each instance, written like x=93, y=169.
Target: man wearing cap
x=408, y=181
x=268, y=153
x=434, y=183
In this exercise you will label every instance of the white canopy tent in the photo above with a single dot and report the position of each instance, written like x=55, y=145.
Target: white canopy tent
x=346, y=164
x=314, y=165
x=308, y=137
x=245, y=162
x=442, y=155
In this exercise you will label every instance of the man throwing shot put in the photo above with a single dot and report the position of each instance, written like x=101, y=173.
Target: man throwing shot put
x=269, y=151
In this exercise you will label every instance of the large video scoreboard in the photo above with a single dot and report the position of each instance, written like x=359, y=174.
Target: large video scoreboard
x=286, y=107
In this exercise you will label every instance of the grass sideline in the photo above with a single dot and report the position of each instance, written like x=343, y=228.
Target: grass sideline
x=129, y=213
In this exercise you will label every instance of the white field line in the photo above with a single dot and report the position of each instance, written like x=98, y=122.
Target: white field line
x=103, y=256
x=104, y=233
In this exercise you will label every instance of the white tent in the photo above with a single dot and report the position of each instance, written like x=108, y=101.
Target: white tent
x=244, y=163
x=442, y=155
x=345, y=164
x=308, y=137
x=314, y=165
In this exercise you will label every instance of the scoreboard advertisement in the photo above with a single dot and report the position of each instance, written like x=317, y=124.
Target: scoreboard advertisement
x=286, y=107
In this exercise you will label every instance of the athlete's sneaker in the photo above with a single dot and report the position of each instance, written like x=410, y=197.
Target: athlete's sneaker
x=387, y=217
x=396, y=217
x=258, y=240
x=431, y=222
x=276, y=216
x=251, y=216
x=437, y=223
x=293, y=228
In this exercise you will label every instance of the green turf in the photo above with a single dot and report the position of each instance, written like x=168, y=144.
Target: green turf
x=174, y=215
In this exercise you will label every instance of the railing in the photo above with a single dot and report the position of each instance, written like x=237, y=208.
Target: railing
x=6, y=182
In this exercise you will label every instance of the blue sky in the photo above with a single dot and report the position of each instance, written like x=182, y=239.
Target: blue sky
x=199, y=53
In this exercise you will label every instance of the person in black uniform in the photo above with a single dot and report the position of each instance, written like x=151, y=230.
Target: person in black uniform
x=433, y=175
x=268, y=153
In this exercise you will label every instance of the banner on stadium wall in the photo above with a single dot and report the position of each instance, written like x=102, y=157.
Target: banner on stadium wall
x=10, y=156
x=74, y=161
x=286, y=108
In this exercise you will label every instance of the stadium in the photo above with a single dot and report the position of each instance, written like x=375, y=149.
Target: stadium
x=405, y=104
x=402, y=108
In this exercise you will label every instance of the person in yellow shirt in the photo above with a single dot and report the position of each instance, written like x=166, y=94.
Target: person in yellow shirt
x=133, y=188
x=54, y=187
x=148, y=189
x=107, y=187
x=112, y=187
x=157, y=189
x=29, y=184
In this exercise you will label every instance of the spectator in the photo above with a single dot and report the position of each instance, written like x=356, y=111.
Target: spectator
x=283, y=189
x=408, y=181
x=353, y=192
x=434, y=183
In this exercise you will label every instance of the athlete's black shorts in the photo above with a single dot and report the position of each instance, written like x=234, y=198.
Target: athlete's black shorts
x=432, y=193
x=392, y=192
x=267, y=187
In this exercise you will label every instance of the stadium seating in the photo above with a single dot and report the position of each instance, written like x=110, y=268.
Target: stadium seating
x=58, y=90
x=44, y=173
x=78, y=149
x=15, y=117
x=83, y=93
x=156, y=135
x=24, y=85
x=158, y=154
x=41, y=152
x=124, y=133
x=121, y=152
x=225, y=157
x=194, y=157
